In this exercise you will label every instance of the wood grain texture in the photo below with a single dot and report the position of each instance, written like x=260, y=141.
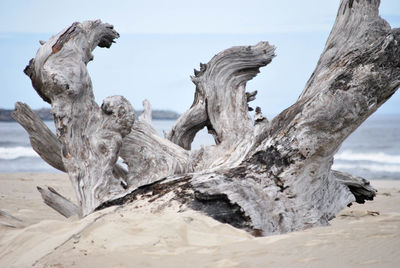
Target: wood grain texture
x=58, y=202
x=267, y=177
x=150, y=157
x=90, y=136
x=45, y=142
x=42, y=139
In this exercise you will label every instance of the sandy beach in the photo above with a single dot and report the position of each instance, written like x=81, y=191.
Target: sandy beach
x=134, y=236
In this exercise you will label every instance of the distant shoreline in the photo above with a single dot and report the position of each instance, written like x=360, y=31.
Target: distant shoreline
x=45, y=114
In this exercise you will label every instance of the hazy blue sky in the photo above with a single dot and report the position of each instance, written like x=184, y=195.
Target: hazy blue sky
x=162, y=41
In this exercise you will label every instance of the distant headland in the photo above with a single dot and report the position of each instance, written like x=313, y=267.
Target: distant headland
x=45, y=114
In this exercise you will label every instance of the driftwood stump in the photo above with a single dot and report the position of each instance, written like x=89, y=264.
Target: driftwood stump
x=264, y=176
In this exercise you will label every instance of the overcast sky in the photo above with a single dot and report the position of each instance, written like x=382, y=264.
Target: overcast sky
x=162, y=41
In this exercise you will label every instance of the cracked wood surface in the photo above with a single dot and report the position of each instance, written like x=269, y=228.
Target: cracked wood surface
x=267, y=177
x=90, y=136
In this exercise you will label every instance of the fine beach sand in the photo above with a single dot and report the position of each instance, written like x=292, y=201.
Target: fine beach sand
x=133, y=236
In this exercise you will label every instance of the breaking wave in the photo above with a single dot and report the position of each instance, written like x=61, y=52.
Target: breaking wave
x=9, y=153
x=378, y=157
x=368, y=167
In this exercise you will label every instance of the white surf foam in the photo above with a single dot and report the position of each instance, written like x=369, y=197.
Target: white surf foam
x=16, y=152
x=369, y=167
x=378, y=157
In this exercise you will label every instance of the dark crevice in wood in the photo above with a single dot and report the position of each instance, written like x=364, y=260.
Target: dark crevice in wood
x=258, y=172
x=359, y=187
x=156, y=188
x=65, y=37
x=220, y=208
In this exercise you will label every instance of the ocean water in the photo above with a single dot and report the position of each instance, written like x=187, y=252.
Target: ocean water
x=372, y=151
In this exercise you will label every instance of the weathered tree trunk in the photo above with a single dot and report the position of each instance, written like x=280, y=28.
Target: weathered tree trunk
x=90, y=136
x=45, y=142
x=267, y=177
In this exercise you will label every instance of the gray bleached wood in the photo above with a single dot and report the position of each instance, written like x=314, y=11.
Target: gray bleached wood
x=58, y=202
x=265, y=177
x=8, y=220
x=284, y=183
x=90, y=136
x=8, y=215
x=150, y=157
x=45, y=142
x=359, y=187
x=220, y=99
x=42, y=139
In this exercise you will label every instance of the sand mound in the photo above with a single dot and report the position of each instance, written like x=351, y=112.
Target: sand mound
x=142, y=236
